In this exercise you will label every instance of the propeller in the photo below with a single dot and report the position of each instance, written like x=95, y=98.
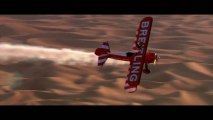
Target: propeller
x=156, y=59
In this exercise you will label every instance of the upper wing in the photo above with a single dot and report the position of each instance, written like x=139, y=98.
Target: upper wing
x=137, y=62
x=143, y=33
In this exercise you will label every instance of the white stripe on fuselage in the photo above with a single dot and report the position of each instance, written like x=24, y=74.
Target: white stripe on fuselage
x=119, y=53
x=135, y=51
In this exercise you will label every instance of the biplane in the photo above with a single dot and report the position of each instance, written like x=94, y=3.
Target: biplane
x=138, y=57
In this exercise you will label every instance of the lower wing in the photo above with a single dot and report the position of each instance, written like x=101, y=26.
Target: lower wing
x=135, y=72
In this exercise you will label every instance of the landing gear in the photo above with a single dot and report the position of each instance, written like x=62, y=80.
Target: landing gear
x=146, y=70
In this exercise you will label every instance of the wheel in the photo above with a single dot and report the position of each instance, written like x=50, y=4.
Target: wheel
x=146, y=71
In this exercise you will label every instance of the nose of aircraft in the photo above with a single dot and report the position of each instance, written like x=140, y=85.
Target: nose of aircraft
x=157, y=57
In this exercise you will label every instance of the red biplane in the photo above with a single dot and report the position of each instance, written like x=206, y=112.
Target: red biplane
x=137, y=57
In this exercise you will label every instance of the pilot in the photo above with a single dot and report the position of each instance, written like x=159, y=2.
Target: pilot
x=130, y=54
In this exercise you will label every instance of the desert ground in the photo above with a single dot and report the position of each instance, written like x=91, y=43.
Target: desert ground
x=49, y=60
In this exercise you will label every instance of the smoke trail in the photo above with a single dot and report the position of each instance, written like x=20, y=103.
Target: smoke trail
x=60, y=56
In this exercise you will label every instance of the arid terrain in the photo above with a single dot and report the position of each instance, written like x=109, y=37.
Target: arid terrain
x=49, y=60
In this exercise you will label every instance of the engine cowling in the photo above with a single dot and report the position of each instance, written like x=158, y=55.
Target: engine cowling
x=151, y=57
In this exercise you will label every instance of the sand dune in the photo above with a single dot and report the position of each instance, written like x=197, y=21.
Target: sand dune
x=49, y=60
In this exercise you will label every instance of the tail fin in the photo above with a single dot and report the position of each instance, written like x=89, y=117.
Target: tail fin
x=102, y=53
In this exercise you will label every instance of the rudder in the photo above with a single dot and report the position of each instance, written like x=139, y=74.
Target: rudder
x=102, y=53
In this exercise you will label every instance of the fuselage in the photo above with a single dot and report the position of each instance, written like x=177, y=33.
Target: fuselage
x=127, y=56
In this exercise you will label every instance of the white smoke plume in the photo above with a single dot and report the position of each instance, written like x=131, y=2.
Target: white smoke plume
x=60, y=56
